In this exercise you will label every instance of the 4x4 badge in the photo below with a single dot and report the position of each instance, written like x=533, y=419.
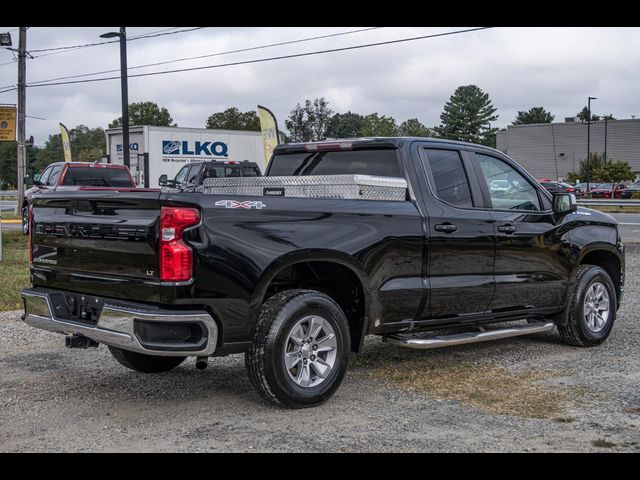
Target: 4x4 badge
x=234, y=204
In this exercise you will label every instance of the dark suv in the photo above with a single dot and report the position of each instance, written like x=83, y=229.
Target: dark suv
x=191, y=176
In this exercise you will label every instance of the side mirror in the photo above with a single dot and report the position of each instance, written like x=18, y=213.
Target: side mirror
x=162, y=180
x=564, y=203
x=28, y=181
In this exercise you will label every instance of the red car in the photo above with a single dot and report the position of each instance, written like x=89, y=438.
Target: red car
x=75, y=176
x=603, y=190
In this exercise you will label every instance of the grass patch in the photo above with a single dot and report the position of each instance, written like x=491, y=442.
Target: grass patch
x=9, y=215
x=490, y=388
x=614, y=209
x=602, y=443
x=14, y=269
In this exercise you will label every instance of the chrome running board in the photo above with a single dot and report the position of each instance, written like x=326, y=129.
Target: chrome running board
x=409, y=341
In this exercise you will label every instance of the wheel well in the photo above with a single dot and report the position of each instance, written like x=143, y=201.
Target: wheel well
x=333, y=279
x=609, y=262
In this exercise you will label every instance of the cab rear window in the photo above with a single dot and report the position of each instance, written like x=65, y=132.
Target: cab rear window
x=97, y=177
x=361, y=162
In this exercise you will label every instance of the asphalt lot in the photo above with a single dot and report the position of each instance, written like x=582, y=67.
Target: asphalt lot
x=55, y=399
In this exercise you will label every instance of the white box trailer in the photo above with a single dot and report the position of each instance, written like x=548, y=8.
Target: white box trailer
x=154, y=151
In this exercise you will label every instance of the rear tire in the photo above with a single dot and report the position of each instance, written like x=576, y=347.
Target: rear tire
x=592, y=308
x=300, y=351
x=145, y=363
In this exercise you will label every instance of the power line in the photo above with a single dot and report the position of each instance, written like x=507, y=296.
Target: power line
x=79, y=47
x=261, y=60
x=139, y=37
x=289, y=42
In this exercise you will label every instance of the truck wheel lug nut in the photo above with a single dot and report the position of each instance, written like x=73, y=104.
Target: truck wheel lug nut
x=315, y=347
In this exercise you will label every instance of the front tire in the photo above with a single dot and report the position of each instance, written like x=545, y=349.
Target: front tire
x=145, y=363
x=300, y=351
x=592, y=308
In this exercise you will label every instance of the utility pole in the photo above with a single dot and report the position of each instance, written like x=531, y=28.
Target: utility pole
x=22, y=78
x=589, y=140
x=605, y=138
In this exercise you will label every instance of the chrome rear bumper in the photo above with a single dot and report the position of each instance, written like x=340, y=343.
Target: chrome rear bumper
x=115, y=325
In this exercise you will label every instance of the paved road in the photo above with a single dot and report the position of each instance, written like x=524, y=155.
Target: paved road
x=629, y=226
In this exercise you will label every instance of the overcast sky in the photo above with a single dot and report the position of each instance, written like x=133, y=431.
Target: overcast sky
x=557, y=68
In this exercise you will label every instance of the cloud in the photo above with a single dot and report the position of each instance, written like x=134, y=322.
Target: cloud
x=518, y=67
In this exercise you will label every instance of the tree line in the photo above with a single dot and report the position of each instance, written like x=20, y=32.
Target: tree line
x=466, y=116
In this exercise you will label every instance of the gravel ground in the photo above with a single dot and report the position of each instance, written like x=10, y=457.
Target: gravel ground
x=55, y=399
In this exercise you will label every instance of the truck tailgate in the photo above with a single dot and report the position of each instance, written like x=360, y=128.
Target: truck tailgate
x=101, y=233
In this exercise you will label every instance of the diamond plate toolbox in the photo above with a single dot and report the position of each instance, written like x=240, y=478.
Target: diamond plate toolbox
x=347, y=187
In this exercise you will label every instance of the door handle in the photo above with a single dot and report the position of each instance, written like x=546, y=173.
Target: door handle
x=445, y=227
x=507, y=228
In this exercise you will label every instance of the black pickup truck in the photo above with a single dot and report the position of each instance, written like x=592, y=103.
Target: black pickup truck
x=397, y=237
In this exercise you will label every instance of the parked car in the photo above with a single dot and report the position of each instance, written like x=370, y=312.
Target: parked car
x=295, y=281
x=630, y=190
x=190, y=178
x=558, y=187
x=74, y=176
x=499, y=186
x=581, y=187
x=604, y=190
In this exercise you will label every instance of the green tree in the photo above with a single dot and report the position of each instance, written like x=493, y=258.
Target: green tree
x=614, y=172
x=467, y=117
x=345, y=125
x=234, y=119
x=533, y=115
x=298, y=125
x=146, y=113
x=9, y=163
x=587, y=170
x=413, y=128
x=309, y=123
x=583, y=115
x=379, y=126
x=87, y=145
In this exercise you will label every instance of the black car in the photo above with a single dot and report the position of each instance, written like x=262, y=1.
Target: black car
x=631, y=189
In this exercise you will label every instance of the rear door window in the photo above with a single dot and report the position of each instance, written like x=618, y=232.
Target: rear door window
x=451, y=183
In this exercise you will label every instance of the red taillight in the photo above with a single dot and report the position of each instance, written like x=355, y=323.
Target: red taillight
x=30, y=226
x=176, y=258
x=571, y=190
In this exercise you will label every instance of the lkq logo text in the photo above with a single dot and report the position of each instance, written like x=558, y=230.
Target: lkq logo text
x=208, y=149
x=133, y=147
x=234, y=204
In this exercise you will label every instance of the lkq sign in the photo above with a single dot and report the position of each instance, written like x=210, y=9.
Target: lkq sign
x=184, y=150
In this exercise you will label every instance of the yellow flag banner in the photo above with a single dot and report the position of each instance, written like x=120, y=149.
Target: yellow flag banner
x=269, y=128
x=7, y=124
x=66, y=143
